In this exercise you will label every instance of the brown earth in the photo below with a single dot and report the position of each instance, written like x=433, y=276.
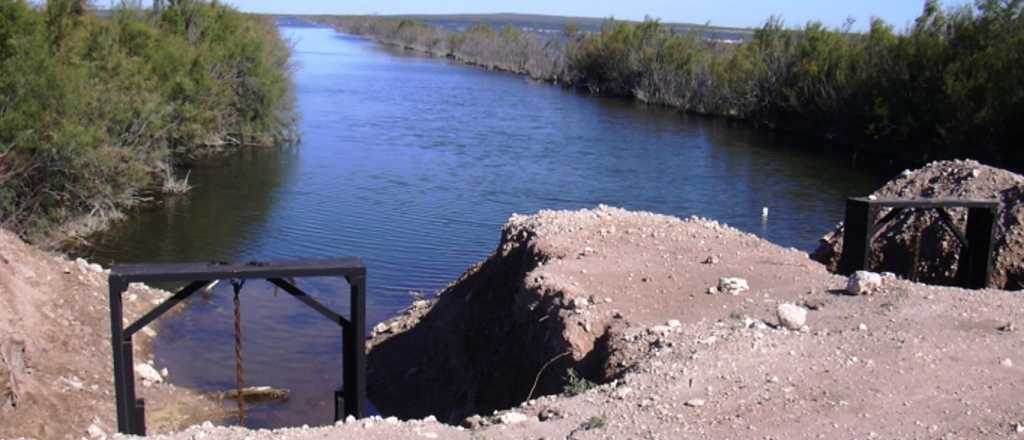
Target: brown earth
x=55, y=362
x=625, y=294
x=937, y=249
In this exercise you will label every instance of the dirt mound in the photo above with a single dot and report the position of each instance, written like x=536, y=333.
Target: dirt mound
x=546, y=311
x=916, y=244
x=55, y=364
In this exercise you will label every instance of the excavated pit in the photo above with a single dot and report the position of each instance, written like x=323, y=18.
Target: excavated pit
x=499, y=332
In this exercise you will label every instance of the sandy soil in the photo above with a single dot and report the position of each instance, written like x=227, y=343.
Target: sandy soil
x=908, y=361
x=55, y=361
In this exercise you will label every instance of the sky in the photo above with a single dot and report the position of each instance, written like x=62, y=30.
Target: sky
x=740, y=13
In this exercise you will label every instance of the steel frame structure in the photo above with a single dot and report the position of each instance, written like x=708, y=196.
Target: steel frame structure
x=349, y=400
x=975, y=263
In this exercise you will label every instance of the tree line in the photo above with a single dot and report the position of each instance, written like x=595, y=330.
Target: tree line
x=95, y=109
x=949, y=85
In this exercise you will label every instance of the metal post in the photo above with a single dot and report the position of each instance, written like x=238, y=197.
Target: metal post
x=354, y=388
x=856, y=241
x=137, y=424
x=117, y=287
x=976, y=258
x=140, y=417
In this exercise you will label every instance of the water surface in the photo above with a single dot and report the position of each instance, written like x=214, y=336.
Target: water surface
x=413, y=164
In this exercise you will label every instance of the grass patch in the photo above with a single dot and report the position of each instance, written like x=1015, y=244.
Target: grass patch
x=576, y=384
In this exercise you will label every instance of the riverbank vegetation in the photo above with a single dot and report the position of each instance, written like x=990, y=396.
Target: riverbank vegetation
x=94, y=110
x=947, y=86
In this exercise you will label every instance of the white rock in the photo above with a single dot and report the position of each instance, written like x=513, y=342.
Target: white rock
x=696, y=403
x=862, y=327
x=580, y=303
x=1006, y=363
x=791, y=316
x=147, y=373
x=164, y=373
x=864, y=283
x=674, y=323
x=732, y=285
x=621, y=392
x=95, y=431
x=660, y=330
x=381, y=328
x=513, y=417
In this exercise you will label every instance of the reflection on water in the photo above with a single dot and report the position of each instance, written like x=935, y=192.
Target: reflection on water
x=413, y=164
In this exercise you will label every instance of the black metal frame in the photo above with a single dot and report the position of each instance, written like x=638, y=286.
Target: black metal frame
x=350, y=400
x=976, y=244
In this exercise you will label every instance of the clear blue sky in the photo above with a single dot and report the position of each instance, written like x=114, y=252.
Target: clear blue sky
x=718, y=12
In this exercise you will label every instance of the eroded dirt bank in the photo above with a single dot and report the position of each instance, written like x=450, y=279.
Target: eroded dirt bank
x=626, y=294
x=55, y=362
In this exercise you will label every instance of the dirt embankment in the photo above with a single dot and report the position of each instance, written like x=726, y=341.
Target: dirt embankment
x=626, y=295
x=916, y=242
x=55, y=362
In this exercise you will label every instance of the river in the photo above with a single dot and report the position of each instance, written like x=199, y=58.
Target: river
x=413, y=164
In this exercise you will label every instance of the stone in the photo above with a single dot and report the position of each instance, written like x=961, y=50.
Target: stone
x=862, y=327
x=695, y=403
x=711, y=260
x=580, y=303
x=473, y=422
x=1007, y=363
x=95, y=431
x=512, y=417
x=381, y=328
x=622, y=392
x=660, y=330
x=733, y=285
x=673, y=323
x=147, y=373
x=791, y=316
x=864, y=283
x=550, y=414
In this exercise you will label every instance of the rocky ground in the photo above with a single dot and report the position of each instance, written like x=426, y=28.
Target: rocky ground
x=55, y=361
x=916, y=242
x=780, y=348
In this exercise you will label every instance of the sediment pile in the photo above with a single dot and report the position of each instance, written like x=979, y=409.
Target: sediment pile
x=56, y=379
x=914, y=243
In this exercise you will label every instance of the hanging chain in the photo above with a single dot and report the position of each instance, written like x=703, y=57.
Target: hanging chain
x=239, y=371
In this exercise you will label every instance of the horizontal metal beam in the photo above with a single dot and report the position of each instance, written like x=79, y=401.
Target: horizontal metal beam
x=148, y=273
x=310, y=301
x=184, y=293
x=929, y=203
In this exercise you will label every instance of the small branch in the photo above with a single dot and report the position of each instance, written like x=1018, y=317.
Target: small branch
x=536, y=379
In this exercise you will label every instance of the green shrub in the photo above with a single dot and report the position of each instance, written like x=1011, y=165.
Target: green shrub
x=93, y=110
